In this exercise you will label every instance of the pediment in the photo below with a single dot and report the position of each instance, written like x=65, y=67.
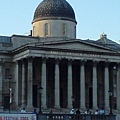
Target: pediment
x=77, y=45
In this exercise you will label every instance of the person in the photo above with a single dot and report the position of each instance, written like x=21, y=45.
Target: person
x=23, y=110
x=72, y=111
x=87, y=111
x=77, y=114
x=90, y=112
x=34, y=111
x=102, y=111
x=50, y=115
x=96, y=112
x=78, y=111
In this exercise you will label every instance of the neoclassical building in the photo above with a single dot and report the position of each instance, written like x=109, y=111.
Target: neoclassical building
x=64, y=66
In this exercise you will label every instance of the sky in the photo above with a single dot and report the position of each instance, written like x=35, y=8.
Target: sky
x=93, y=17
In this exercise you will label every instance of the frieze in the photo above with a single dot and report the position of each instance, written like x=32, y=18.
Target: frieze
x=75, y=54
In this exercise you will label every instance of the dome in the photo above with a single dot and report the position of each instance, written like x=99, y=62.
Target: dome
x=54, y=9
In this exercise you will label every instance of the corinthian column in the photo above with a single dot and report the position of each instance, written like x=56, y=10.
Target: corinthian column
x=30, y=84
x=106, y=86
x=23, y=84
x=57, y=84
x=95, y=85
x=1, y=84
x=16, y=86
x=43, y=78
x=82, y=86
x=118, y=88
x=70, y=84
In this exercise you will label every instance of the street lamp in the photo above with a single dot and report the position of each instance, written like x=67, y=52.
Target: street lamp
x=73, y=100
x=110, y=99
x=9, y=77
x=40, y=92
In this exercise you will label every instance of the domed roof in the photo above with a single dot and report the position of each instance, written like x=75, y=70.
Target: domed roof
x=54, y=9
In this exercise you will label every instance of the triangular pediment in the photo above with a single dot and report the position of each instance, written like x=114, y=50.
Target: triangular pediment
x=76, y=45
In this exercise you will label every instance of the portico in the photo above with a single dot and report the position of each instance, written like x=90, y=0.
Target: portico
x=63, y=74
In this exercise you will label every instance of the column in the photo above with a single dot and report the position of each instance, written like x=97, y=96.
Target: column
x=1, y=84
x=23, y=84
x=106, y=86
x=16, y=85
x=82, y=85
x=95, y=85
x=118, y=88
x=70, y=87
x=30, y=84
x=57, y=85
x=43, y=84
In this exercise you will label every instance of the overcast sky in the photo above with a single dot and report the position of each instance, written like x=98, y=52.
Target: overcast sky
x=93, y=17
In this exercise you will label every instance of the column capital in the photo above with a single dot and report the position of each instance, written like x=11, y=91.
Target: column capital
x=23, y=61
x=107, y=64
x=30, y=58
x=57, y=61
x=1, y=63
x=95, y=63
x=70, y=61
x=44, y=59
x=118, y=65
x=83, y=62
x=17, y=61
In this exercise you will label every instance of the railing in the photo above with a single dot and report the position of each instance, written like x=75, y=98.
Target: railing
x=75, y=117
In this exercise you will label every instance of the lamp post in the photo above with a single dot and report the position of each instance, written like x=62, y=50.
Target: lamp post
x=73, y=100
x=9, y=77
x=110, y=99
x=40, y=92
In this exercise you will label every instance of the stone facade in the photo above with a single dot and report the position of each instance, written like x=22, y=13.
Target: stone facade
x=64, y=68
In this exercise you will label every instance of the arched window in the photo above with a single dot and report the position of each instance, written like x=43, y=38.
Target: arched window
x=64, y=29
x=75, y=31
x=46, y=29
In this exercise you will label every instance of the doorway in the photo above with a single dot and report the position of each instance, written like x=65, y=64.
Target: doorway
x=35, y=95
x=90, y=97
x=6, y=102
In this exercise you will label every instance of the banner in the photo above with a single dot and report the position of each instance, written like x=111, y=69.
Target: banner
x=22, y=116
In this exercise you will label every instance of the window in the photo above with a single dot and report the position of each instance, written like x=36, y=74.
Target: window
x=75, y=31
x=46, y=29
x=64, y=29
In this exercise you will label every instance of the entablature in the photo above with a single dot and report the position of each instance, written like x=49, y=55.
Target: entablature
x=66, y=55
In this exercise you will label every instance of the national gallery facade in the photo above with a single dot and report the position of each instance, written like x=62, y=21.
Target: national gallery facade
x=73, y=73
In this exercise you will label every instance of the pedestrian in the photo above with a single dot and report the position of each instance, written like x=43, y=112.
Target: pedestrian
x=96, y=112
x=102, y=111
x=51, y=115
x=87, y=111
x=23, y=110
x=78, y=111
x=34, y=111
x=77, y=114
x=72, y=111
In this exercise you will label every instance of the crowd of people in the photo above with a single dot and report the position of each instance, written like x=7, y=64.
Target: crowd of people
x=24, y=111
x=100, y=112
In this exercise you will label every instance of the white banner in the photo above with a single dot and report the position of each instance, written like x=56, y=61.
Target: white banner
x=22, y=116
